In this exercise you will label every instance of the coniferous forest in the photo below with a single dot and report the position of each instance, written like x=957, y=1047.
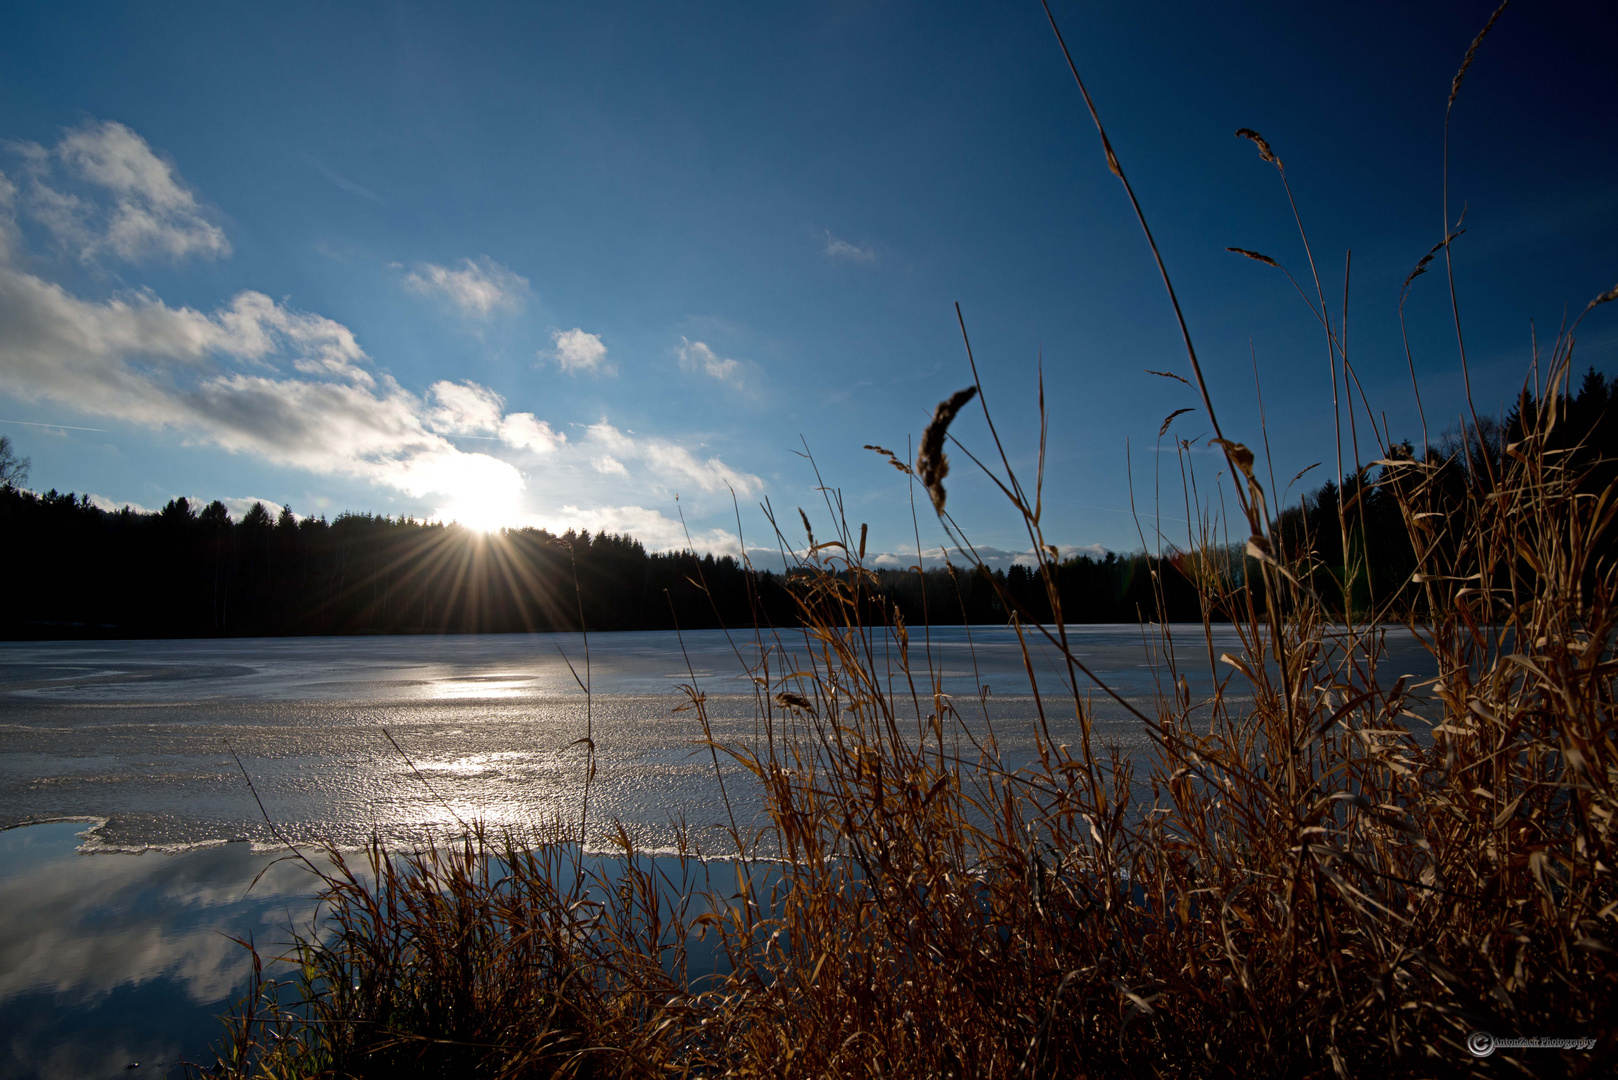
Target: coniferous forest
x=79, y=571
x=74, y=570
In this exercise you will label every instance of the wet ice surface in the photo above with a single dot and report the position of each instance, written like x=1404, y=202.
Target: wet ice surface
x=146, y=734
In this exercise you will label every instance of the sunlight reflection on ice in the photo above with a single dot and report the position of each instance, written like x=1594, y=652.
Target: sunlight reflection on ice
x=493, y=725
x=482, y=686
x=475, y=764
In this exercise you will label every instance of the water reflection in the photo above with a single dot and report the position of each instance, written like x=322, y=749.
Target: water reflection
x=107, y=961
x=113, y=959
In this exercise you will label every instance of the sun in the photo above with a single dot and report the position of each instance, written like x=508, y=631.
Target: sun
x=479, y=517
x=485, y=501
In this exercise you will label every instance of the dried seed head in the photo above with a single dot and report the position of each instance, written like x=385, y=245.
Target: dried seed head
x=1421, y=266
x=1265, y=259
x=1471, y=54
x=1605, y=298
x=931, y=464
x=1264, y=150
x=1169, y=419
x=787, y=699
x=1167, y=375
x=893, y=459
x=807, y=528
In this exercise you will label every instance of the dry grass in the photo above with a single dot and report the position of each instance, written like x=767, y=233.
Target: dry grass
x=1306, y=878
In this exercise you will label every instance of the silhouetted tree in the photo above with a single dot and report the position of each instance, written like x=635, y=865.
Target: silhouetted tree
x=13, y=469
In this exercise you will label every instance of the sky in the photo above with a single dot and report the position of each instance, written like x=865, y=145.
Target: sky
x=643, y=267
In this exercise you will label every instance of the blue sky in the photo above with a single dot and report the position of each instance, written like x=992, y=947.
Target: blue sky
x=559, y=264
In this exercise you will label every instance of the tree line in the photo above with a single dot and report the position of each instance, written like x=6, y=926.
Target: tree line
x=75, y=570
x=1464, y=465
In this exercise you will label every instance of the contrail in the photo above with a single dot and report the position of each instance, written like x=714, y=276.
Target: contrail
x=67, y=427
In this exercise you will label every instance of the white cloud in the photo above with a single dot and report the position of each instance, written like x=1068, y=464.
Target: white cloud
x=672, y=462
x=220, y=380
x=138, y=360
x=240, y=508
x=1068, y=551
x=842, y=249
x=151, y=210
x=259, y=326
x=609, y=437
x=122, y=357
x=524, y=432
x=578, y=351
x=8, y=222
x=101, y=502
x=710, y=475
x=477, y=288
x=465, y=408
x=258, y=377
x=696, y=356
x=66, y=216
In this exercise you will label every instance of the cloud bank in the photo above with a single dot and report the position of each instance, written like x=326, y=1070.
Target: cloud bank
x=260, y=377
x=134, y=358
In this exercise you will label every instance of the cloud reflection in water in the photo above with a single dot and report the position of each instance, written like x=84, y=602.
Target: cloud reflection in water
x=110, y=959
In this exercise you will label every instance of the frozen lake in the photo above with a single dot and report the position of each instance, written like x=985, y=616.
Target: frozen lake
x=125, y=956
x=140, y=734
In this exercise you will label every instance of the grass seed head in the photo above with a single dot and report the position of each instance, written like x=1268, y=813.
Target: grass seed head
x=1265, y=259
x=931, y=463
x=1169, y=419
x=1264, y=150
x=1168, y=375
x=1472, y=54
